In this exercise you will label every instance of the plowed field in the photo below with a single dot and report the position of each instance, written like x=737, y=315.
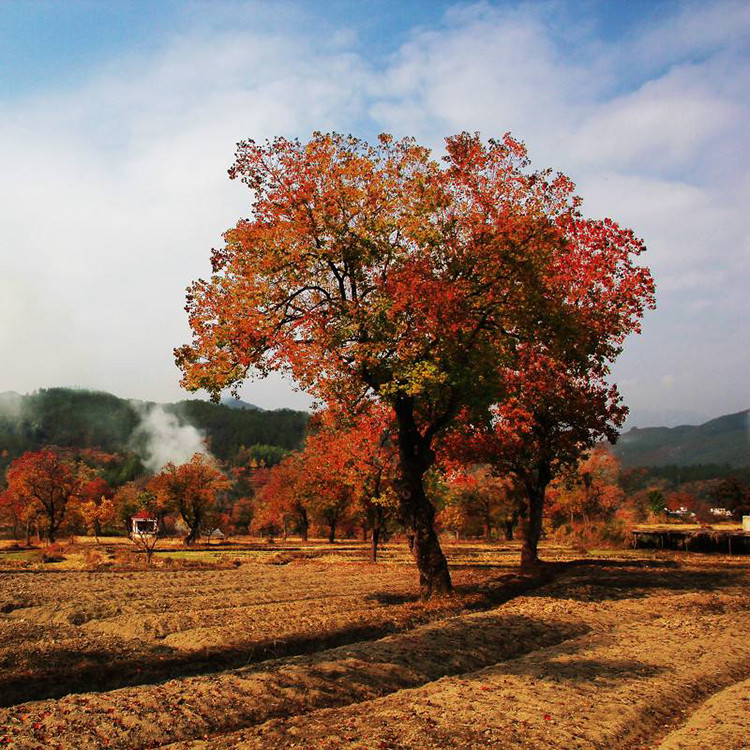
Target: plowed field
x=625, y=650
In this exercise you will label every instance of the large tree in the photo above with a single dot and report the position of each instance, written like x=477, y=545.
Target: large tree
x=373, y=272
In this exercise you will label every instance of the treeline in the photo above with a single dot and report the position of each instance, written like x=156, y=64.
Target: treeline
x=336, y=476
x=342, y=483
x=673, y=476
x=77, y=419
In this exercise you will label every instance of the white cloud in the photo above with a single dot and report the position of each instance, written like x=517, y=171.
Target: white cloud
x=696, y=29
x=661, y=127
x=114, y=192
x=489, y=70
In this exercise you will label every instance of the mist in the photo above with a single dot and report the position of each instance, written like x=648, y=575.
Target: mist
x=11, y=406
x=161, y=437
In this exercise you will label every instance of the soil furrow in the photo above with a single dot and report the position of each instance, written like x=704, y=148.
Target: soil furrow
x=224, y=702
x=113, y=661
x=605, y=690
x=721, y=721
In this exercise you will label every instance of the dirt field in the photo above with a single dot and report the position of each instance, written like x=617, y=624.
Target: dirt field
x=257, y=647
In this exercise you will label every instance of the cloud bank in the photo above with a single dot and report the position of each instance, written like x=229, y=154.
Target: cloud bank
x=115, y=190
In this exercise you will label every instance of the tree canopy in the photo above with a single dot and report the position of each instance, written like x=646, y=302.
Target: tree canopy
x=373, y=272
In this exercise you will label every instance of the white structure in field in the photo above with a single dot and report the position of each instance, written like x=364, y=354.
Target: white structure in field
x=143, y=524
x=746, y=523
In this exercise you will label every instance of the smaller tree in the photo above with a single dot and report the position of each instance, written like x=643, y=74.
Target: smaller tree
x=192, y=488
x=589, y=492
x=493, y=502
x=45, y=482
x=242, y=514
x=363, y=457
x=283, y=499
x=22, y=510
x=373, y=471
x=95, y=507
x=96, y=515
x=734, y=495
x=452, y=517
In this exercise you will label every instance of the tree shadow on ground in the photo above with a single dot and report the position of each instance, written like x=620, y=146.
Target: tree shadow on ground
x=100, y=670
x=481, y=595
x=96, y=670
x=563, y=665
x=610, y=583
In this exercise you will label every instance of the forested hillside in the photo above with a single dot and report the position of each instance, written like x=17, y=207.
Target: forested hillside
x=75, y=418
x=724, y=440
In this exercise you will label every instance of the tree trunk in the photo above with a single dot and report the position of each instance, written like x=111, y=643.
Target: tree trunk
x=487, y=533
x=417, y=512
x=192, y=535
x=418, y=516
x=509, y=526
x=304, y=524
x=536, y=487
x=331, y=532
x=377, y=524
x=374, y=544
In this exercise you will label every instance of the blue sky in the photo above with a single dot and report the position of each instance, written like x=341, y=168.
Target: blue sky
x=118, y=121
x=46, y=44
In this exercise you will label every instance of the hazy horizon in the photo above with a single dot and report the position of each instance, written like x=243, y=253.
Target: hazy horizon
x=666, y=418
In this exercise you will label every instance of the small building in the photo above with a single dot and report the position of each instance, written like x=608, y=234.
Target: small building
x=217, y=534
x=143, y=524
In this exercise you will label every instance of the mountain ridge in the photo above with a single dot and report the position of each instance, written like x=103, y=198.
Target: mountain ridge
x=722, y=440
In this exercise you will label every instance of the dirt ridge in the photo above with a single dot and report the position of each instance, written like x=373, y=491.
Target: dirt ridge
x=349, y=674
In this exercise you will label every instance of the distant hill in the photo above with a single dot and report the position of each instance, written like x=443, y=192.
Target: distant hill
x=78, y=418
x=238, y=403
x=725, y=440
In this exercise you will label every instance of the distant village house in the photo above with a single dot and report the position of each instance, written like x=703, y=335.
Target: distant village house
x=143, y=524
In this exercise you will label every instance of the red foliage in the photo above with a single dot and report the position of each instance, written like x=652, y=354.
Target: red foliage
x=373, y=273
x=192, y=488
x=43, y=484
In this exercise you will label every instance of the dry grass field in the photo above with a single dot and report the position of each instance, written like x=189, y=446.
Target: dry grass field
x=310, y=646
